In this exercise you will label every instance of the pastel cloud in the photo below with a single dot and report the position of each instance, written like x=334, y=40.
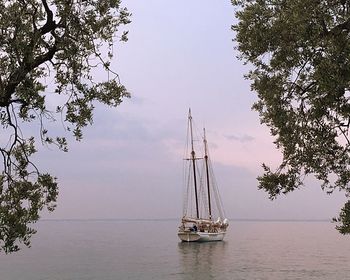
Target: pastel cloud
x=244, y=138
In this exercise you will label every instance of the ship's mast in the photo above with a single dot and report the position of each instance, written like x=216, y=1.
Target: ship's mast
x=207, y=170
x=193, y=157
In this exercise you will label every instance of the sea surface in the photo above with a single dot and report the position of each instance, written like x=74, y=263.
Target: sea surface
x=140, y=249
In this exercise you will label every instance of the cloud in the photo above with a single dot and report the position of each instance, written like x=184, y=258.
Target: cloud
x=243, y=139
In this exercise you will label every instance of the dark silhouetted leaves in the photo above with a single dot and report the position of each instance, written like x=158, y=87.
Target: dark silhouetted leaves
x=299, y=51
x=49, y=52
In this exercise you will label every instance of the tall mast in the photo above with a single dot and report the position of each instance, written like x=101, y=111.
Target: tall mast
x=207, y=171
x=193, y=157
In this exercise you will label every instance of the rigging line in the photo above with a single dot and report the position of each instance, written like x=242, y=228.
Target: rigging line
x=218, y=196
x=215, y=189
x=186, y=194
x=185, y=187
x=204, y=197
x=186, y=176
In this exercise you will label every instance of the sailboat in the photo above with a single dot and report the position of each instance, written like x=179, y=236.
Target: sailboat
x=203, y=215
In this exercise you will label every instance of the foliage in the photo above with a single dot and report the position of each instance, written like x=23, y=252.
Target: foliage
x=62, y=41
x=344, y=219
x=300, y=53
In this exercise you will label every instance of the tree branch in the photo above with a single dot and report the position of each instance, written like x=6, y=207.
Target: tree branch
x=50, y=23
x=19, y=75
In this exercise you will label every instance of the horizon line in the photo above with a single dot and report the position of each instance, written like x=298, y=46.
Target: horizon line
x=177, y=219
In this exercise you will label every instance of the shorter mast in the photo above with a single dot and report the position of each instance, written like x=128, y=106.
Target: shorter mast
x=193, y=157
x=207, y=171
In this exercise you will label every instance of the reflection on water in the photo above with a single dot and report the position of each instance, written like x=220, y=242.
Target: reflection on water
x=149, y=250
x=201, y=260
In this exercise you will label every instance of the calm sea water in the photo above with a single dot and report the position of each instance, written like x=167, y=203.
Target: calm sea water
x=113, y=250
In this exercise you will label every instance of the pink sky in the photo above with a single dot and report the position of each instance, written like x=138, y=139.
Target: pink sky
x=180, y=54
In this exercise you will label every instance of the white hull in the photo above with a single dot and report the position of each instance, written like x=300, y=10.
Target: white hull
x=201, y=236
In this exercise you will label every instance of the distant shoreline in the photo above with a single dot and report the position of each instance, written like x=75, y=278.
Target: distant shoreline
x=174, y=219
